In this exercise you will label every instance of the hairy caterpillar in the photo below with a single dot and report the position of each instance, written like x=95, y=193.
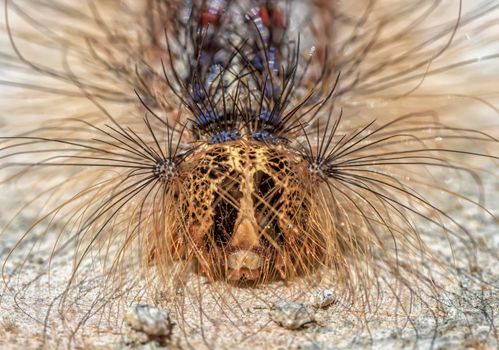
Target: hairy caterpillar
x=208, y=152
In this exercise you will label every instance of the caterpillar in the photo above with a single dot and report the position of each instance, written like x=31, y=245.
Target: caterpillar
x=215, y=157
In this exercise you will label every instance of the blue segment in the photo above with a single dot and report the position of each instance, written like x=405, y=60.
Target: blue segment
x=224, y=136
x=197, y=92
x=257, y=62
x=203, y=59
x=255, y=16
x=207, y=118
x=271, y=55
x=264, y=136
x=270, y=118
x=271, y=89
x=214, y=72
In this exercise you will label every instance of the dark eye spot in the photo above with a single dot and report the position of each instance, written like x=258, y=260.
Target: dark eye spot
x=213, y=174
x=267, y=201
x=221, y=158
x=226, y=209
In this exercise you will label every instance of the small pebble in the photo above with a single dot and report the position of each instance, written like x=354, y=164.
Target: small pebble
x=152, y=321
x=291, y=315
x=324, y=298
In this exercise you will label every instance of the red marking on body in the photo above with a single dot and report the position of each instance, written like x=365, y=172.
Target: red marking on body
x=212, y=14
x=278, y=18
x=264, y=15
x=208, y=18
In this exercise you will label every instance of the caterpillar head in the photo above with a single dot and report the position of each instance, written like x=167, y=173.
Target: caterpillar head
x=245, y=212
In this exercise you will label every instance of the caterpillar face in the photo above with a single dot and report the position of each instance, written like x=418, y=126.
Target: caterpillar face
x=248, y=209
x=177, y=152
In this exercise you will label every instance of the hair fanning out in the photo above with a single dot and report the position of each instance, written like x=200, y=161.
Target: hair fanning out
x=210, y=154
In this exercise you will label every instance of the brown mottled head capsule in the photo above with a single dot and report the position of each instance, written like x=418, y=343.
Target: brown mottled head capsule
x=247, y=218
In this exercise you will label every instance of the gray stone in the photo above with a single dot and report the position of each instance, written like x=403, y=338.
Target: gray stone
x=291, y=315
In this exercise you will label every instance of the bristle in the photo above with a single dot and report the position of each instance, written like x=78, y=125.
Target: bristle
x=212, y=156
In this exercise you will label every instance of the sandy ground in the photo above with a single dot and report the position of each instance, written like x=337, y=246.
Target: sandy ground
x=30, y=313
x=32, y=317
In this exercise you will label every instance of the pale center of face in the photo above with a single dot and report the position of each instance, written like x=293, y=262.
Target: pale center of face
x=244, y=259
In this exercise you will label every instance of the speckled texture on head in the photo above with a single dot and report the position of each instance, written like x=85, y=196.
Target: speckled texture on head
x=382, y=226
x=248, y=211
